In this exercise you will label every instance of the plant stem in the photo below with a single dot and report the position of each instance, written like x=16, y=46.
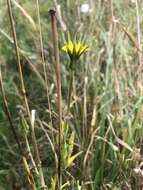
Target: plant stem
x=7, y=112
x=70, y=88
x=58, y=78
x=43, y=59
x=36, y=151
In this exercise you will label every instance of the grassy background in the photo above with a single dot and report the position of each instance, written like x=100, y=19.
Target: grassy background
x=107, y=104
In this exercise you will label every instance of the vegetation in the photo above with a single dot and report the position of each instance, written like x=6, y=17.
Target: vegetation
x=74, y=124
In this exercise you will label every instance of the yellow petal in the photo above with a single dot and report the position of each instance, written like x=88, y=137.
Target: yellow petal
x=78, y=46
x=70, y=46
x=64, y=48
x=84, y=49
x=74, y=48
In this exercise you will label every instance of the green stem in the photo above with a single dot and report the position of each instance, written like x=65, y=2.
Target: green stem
x=70, y=88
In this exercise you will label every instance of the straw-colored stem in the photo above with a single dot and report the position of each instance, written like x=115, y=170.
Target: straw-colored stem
x=30, y=177
x=36, y=151
x=8, y=114
x=58, y=79
x=138, y=32
x=43, y=59
x=28, y=150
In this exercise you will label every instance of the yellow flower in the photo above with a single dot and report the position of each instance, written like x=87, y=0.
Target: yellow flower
x=74, y=48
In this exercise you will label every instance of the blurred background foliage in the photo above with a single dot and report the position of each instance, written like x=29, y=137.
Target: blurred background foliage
x=114, y=89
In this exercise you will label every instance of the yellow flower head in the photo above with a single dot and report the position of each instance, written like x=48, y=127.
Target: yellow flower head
x=74, y=48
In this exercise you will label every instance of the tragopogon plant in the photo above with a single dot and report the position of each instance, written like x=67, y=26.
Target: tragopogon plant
x=74, y=48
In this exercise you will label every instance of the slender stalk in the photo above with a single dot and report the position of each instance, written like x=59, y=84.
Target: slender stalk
x=84, y=128
x=138, y=32
x=70, y=88
x=29, y=174
x=43, y=59
x=8, y=114
x=58, y=78
x=113, y=32
x=17, y=53
x=28, y=150
x=38, y=161
x=139, y=36
x=50, y=141
x=36, y=151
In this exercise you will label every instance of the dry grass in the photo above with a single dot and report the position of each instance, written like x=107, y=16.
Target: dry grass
x=101, y=132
